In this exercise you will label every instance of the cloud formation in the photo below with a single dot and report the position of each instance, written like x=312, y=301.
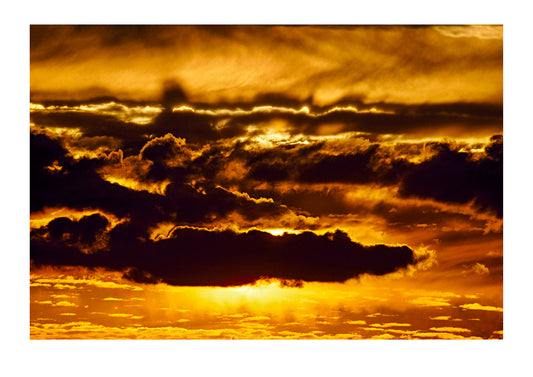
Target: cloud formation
x=200, y=257
x=454, y=176
x=362, y=165
x=398, y=64
x=188, y=256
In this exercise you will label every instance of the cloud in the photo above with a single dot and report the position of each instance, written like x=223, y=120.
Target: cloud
x=472, y=31
x=64, y=303
x=431, y=301
x=476, y=306
x=193, y=197
x=137, y=114
x=77, y=185
x=196, y=257
x=215, y=139
x=184, y=202
x=452, y=176
x=391, y=324
x=441, y=318
x=448, y=173
x=200, y=126
x=73, y=277
x=389, y=119
x=440, y=335
x=450, y=329
x=357, y=322
x=415, y=65
x=129, y=136
x=478, y=269
x=165, y=153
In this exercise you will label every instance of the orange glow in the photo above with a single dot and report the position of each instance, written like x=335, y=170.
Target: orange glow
x=372, y=176
x=279, y=232
x=265, y=309
x=279, y=110
x=161, y=231
x=153, y=188
x=280, y=63
x=136, y=114
x=42, y=218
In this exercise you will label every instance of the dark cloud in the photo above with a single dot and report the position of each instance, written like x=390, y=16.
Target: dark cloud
x=190, y=257
x=455, y=118
x=449, y=175
x=194, y=257
x=130, y=136
x=321, y=201
x=87, y=234
x=169, y=156
x=43, y=152
x=193, y=127
x=197, y=257
x=317, y=163
x=355, y=167
x=84, y=230
x=448, y=119
x=426, y=215
x=453, y=176
x=78, y=185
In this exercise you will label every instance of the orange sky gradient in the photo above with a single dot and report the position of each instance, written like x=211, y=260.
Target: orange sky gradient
x=266, y=182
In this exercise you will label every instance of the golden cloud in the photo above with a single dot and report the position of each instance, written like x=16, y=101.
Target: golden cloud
x=382, y=64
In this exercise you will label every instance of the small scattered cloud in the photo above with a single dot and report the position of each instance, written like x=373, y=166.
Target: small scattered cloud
x=358, y=322
x=391, y=324
x=450, y=329
x=479, y=269
x=476, y=306
x=431, y=301
x=64, y=303
x=120, y=315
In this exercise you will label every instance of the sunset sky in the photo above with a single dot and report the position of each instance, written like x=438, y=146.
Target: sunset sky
x=266, y=182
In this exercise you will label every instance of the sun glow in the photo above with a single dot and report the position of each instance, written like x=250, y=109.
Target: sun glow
x=280, y=231
x=265, y=293
x=247, y=182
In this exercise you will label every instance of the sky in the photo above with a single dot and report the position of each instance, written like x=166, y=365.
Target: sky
x=266, y=182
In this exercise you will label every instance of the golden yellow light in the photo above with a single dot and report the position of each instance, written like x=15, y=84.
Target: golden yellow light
x=153, y=188
x=41, y=218
x=280, y=231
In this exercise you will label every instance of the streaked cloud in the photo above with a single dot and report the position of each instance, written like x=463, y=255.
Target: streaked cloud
x=441, y=318
x=134, y=114
x=391, y=324
x=237, y=63
x=451, y=329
